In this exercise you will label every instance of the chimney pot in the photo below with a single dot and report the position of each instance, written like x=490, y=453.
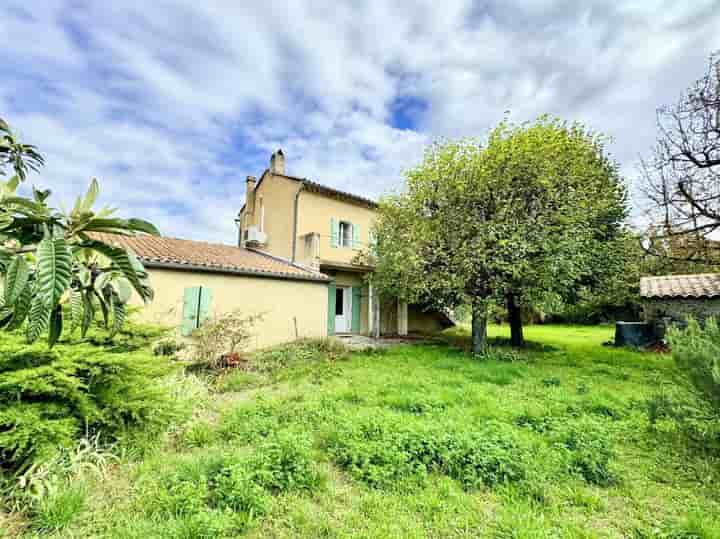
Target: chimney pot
x=277, y=162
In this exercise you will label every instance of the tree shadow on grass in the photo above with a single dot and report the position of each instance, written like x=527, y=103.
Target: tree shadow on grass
x=464, y=343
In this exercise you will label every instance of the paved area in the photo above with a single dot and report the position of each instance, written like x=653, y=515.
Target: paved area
x=362, y=342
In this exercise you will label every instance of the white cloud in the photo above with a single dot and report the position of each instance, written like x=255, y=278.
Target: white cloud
x=171, y=104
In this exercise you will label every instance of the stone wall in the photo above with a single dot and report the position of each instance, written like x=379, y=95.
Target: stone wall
x=679, y=309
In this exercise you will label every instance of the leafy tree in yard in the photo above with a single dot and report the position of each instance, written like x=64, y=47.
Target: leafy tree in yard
x=49, y=259
x=535, y=212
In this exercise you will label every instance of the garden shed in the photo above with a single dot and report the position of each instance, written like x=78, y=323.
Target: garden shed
x=675, y=297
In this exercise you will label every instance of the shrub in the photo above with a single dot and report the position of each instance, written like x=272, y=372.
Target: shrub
x=49, y=398
x=224, y=334
x=696, y=350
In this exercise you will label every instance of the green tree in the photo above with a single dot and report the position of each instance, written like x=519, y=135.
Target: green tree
x=531, y=214
x=49, y=259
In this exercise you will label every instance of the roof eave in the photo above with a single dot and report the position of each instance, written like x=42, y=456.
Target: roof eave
x=150, y=263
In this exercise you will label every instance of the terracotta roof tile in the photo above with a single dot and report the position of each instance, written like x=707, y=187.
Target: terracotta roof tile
x=700, y=285
x=199, y=255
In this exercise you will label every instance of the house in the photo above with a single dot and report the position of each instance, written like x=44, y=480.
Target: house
x=324, y=229
x=675, y=297
x=295, y=263
x=193, y=280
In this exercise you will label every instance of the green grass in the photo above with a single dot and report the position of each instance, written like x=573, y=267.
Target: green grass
x=417, y=441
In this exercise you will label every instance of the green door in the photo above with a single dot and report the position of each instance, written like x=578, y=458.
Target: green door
x=331, y=309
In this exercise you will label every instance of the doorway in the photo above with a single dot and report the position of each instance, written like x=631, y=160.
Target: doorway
x=343, y=309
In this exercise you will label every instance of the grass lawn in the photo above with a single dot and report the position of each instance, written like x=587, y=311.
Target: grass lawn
x=418, y=441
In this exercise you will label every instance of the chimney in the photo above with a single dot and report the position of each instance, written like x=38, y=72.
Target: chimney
x=277, y=163
x=250, y=195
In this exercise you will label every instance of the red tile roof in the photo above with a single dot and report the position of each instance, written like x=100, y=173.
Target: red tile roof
x=177, y=253
x=700, y=285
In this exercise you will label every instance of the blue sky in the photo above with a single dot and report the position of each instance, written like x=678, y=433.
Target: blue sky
x=171, y=104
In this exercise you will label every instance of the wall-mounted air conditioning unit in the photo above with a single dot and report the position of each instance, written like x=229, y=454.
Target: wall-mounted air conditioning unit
x=253, y=236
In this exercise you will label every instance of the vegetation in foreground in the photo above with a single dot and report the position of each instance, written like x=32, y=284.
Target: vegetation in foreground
x=416, y=441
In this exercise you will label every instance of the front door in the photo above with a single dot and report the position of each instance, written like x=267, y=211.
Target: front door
x=343, y=309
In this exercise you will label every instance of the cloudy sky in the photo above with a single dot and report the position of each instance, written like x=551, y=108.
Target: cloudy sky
x=172, y=104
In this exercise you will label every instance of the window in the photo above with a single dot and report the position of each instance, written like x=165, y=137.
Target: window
x=346, y=236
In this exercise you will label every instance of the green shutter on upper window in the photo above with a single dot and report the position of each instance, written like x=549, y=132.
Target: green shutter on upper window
x=334, y=232
x=191, y=304
x=356, y=236
x=356, y=299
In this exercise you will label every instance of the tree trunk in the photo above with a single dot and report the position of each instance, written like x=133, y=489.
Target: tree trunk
x=517, y=338
x=479, y=327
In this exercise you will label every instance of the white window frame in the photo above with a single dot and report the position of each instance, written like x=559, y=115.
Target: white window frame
x=345, y=239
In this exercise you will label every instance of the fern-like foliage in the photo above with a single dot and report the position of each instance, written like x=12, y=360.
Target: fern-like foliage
x=48, y=259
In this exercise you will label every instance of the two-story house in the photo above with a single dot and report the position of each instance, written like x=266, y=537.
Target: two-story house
x=295, y=264
x=324, y=229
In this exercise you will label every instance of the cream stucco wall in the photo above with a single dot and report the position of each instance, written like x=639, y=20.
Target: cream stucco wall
x=281, y=301
x=277, y=195
x=314, y=214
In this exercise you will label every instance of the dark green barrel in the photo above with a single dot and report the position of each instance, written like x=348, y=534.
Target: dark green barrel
x=634, y=334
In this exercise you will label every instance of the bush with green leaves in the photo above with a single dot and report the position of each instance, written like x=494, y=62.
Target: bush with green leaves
x=50, y=259
x=696, y=350
x=223, y=334
x=49, y=399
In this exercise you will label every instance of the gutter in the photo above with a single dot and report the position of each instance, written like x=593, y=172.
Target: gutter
x=232, y=271
x=295, y=220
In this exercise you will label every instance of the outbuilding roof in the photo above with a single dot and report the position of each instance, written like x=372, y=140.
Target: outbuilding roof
x=699, y=285
x=176, y=253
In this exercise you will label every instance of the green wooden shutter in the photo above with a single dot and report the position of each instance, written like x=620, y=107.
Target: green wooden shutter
x=334, y=232
x=204, y=304
x=191, y=303
x=331, y=309
x=356, y=299
x=356, y=236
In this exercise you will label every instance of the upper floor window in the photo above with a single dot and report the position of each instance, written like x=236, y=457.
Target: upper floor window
x=346, y=236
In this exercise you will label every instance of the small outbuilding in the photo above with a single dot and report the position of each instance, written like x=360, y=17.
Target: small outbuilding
x=672, y=298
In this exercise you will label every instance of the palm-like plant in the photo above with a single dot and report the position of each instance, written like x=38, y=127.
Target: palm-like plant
x=50, y=260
